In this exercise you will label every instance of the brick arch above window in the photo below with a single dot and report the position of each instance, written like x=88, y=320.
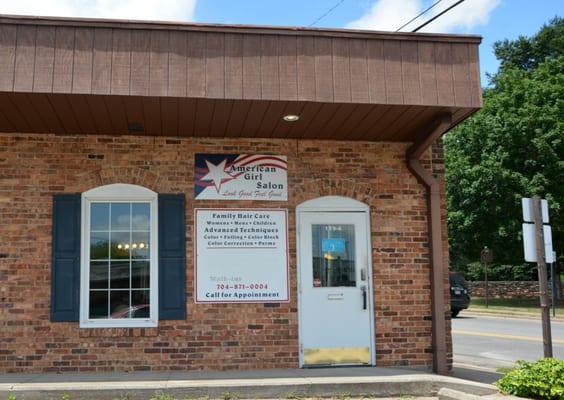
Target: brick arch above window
x=364, y=193
x=112, y=175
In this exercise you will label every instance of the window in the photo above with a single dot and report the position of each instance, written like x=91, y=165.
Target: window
x=119, y=257
x=334, y=263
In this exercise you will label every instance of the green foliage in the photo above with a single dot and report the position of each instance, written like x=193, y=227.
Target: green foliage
x=512, y=148
x=162, y=396
x=229, y=396
x=293, y=396
x=11, y=396
x=474, y=271
x=543, y=379
x=527, y=53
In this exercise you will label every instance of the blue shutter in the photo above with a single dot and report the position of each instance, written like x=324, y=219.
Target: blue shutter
x=172, y=256
x=65, y=266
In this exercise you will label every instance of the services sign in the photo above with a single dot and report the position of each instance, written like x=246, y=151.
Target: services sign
x=240, y=177
x=241, y=255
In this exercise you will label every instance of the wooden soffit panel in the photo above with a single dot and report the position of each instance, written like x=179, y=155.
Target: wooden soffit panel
x=188, y=117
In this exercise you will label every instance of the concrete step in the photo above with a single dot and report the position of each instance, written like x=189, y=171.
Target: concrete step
x=279, y=384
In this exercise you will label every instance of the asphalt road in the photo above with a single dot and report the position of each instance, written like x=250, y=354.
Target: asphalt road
x=487, y=343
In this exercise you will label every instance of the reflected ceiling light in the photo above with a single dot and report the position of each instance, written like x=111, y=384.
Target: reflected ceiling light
x=291, y=118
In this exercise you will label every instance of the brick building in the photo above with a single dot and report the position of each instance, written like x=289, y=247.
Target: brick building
x=116, y=139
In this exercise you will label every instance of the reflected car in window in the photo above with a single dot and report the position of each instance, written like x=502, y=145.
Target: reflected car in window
x=137, y=311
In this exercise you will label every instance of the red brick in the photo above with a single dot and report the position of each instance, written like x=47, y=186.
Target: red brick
x=33, y=167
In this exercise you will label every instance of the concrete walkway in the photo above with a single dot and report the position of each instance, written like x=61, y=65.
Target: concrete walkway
x=279, y=384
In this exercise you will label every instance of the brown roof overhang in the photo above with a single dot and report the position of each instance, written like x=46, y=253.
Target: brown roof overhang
x=105, y=76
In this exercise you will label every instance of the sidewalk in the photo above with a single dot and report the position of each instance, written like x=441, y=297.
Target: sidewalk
x=272, y=384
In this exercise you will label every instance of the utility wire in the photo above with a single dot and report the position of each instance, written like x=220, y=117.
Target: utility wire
x=327, y=13
x=418, y=15
x=437, y=16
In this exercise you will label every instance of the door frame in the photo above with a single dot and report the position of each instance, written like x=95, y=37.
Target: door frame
x=337, y=204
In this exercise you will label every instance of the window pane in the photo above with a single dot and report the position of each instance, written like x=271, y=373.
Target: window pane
x=119, y=260
x=99, y=245
x=99, y=216
x=140, y=245
x=98, y=304
x=140, y=220
x=119, y=274
x=140, y=304
x=99, y=275
x=140, y=274
x=120, y=216
x=333, y=255
x=120, y=245
x=119, y=304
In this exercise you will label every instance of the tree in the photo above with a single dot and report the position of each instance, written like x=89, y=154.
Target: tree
x=512, y=148
x=527, y=53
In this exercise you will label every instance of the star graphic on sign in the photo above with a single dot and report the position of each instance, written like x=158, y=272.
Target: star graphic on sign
x=217, y=174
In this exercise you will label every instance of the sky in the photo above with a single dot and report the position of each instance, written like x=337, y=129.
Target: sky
x=492, y=19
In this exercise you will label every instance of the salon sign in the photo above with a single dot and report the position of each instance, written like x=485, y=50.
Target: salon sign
x=241, y=255
x=240, y=177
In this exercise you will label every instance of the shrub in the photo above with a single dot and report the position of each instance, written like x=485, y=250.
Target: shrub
x=474, y=271
x=543, y=380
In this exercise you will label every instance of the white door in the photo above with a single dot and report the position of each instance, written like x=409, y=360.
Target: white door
x=335, y=294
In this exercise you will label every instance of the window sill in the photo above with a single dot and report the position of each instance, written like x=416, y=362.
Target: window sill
x=89, y=324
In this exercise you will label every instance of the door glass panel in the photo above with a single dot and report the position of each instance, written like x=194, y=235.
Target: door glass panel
x=333, y=255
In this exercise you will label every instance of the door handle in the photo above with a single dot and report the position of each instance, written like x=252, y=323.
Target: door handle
x=363, y=291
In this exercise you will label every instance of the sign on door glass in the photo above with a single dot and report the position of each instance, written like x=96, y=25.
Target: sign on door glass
x=333, y=255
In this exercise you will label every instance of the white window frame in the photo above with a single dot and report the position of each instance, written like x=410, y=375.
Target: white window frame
x=119, y=192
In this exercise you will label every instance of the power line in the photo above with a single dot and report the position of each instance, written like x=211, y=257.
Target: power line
x=327, y=13
x=418, y=15
x=437, y=16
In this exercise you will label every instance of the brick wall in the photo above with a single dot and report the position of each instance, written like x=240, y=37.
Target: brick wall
x=218, y=336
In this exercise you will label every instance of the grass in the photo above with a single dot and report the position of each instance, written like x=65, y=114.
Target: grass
x=529, y=306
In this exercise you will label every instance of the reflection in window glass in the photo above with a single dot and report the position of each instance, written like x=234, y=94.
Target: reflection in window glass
x=119, y=274
x=140, y=274
x=98, y=304
x=140, y=217
x=120, y=216
x=119, y=304
x=140, y=304
x=119, y=260
x=120, y=245
x=99, y=245
x=99, y=275
x=140, y=245
x=99, y=217
x=333, y=255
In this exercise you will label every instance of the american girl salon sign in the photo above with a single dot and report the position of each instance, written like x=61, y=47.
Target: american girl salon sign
x=240, y=177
